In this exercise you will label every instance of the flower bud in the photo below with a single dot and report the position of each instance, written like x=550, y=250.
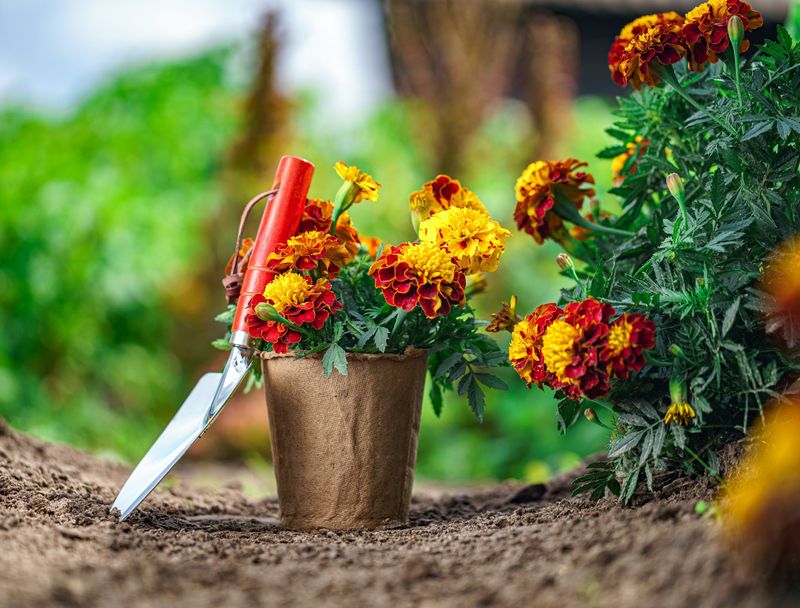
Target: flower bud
x=590, y=414
x=677, y=351
x=267, y=312
x=476, y=283
x=675, y=186
x=735, y=31
x=564, y=261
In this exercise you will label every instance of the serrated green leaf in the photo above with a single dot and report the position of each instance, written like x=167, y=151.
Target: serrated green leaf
x=334, y=358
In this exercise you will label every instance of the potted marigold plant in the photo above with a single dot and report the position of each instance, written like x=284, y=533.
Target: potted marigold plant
x=348, y=329
x=682, y=324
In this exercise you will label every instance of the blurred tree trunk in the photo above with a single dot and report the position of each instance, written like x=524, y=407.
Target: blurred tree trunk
x=460, y=57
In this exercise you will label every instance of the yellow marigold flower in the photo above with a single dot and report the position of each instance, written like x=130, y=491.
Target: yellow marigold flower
x=680, y=413
x=287, y=290
x=637, y=147
x=471, y=236
x=558, y=348
x=506, y=318
x=363, y=187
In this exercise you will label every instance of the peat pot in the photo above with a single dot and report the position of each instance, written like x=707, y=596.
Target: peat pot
x=344, y=448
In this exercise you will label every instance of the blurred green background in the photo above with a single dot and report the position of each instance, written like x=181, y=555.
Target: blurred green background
x=117, y=217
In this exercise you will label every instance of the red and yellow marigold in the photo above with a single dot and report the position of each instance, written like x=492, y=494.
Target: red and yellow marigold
x=317, y=216
x=470, y=235
x=628, y=337
x=636, y=27
x=525, y=349
x=537, y=189
x=307, y=251
x=441, y=194
x=577, y=349
x=420, y=273
x=506, y=318
x=706, y=29
x=659, y=45
x=297, y=299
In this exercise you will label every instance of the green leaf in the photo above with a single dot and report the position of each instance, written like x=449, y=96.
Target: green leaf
x=625, y=444
x=437, y=399
x=567, y=413
x=730, y=317
x=476, y=399
x=446, y=365
x=492, y=381
x=381, y=338
x=221, y=344
x=612, y=151
x=334, y=358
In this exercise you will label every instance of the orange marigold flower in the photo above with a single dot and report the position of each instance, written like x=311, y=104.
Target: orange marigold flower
x=243, y=255
x=780, y=285
x=298, y=300
x=420, y=273
x=636, y=27
x=706, y=29
x=318, y=214
x=441, y=194
x=372, y=244
x=525, y=349
x=663, y=43
x=571, y=348
x=312, y=250
x=628, y=338
x=638, y=147
x=506, y=318
x=537, y=188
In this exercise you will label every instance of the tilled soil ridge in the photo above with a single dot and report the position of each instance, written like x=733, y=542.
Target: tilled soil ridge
x=510, y=545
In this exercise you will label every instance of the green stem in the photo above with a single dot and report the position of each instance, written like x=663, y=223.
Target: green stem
x=566, y=210
x=667, y=74
x=737, y=71
x=341, y=203
x=702, y=463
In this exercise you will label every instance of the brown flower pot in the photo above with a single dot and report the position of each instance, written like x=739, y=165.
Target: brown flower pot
x=344, y=448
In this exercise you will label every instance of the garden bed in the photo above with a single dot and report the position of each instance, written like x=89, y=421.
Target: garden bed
x=507, y=545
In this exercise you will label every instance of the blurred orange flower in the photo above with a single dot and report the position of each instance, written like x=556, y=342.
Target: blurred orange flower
x=372, y=244
x=243, y=255
x=638, y=147
x=781, y=287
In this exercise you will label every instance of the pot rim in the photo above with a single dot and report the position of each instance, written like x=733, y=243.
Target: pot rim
x=410, y=353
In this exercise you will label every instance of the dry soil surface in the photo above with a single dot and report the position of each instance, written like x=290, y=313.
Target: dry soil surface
x=509, y=545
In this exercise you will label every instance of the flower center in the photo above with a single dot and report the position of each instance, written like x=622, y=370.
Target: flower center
x=431, y=263
x=285, y=290
x=619, y=337
x=558, y=348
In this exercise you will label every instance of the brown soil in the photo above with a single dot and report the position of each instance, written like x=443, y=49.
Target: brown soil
x=509, y=545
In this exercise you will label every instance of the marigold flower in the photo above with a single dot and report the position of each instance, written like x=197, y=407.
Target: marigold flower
x=762, y=496
x=506, y=318
x=243, y=255
x=628, y=338
x=441, y=194
x=781, y=287
x=298, y=300
x=571, y=347
x=636, y=27
x=663, y=43
x=680, y=413
x=471, y=236
x=525, y=349
x=317, y=216
x=536, y=191
x=363, y=187
x=638, y=147
x=706, y=29
x=312, y=250
x=420, y=273
x=372, y=244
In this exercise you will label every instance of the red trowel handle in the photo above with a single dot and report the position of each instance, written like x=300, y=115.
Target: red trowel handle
x=279, y=222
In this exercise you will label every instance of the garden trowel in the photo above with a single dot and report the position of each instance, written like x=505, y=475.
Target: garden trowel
x=205, y=402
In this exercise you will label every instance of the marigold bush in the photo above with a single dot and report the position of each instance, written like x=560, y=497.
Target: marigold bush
x=681, y=327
